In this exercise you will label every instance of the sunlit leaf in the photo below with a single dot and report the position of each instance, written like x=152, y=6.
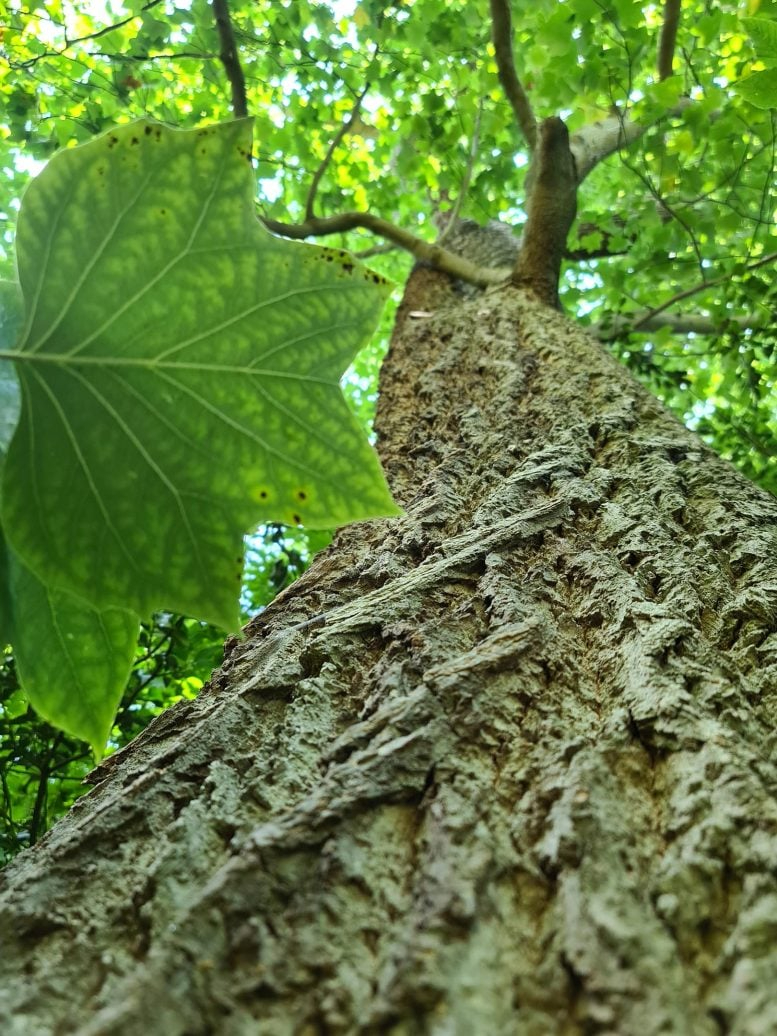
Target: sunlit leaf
x=763, y=33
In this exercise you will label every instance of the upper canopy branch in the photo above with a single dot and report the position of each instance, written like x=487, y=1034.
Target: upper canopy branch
x=668, y=38
x=336, y=139
x=502, y=36
x=230, y=59
x=597, y=141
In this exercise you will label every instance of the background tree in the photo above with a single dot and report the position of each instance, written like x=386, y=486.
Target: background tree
x=503, y=763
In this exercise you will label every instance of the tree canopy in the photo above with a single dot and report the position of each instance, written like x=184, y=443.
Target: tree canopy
x=371, y=118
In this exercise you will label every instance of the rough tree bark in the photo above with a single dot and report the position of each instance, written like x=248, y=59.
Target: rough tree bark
x=503, y=765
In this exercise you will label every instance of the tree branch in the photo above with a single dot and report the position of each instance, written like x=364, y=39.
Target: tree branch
x=455, y=265
x=314, y=183
x=645, y=321
x=453, y=215
x=230, y=59
x=668, y=38
x=502, y=36
x=597, y=141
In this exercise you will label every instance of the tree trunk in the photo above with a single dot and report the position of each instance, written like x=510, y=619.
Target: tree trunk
x=504, y=765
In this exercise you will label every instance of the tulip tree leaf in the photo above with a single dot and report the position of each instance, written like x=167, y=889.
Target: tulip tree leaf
x=180, y=374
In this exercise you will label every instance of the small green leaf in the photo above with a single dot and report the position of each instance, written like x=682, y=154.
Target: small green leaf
x=73, y=660
x=760, y=88
x=180, y=374
x=15, y=705
x=667, y=92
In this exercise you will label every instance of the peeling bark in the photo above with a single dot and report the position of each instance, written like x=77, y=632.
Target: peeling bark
x=503, y=765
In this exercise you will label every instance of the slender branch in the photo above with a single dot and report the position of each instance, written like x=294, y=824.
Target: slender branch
x=502, y=36
x=197, y=55
x=668, y=38
x=368, y=253
x=439, y=257
x=110, y=28
x=230, y=59
x=453, y=215
x=314, y=183
x=700, y=287
x=68, y=43
x=665, y=208
x=655, y=319
x=691, y=323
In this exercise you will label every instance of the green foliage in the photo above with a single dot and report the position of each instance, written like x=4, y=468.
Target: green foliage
x=42, y=769
x=760, y=88
x=688, y=211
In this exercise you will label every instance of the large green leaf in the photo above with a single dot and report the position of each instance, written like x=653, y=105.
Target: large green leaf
x=180, y=374
x=73, y=660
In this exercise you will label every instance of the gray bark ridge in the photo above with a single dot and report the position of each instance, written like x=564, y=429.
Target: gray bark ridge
x=503, y=765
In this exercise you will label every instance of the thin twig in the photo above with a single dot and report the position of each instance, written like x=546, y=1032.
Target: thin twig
x=230, y=59
x=700, y=287
x=368, y=253
x=110, y=28
x=68, y=43
x=668, y=38
x=502, y=36
x=453, y=215
x=314, y=183
x=197, y=55
x=666, y=207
